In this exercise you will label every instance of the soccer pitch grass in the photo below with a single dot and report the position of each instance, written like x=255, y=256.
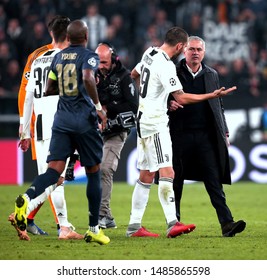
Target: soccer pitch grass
x=246, y=200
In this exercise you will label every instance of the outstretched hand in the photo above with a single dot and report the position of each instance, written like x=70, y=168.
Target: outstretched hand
x=222, y=91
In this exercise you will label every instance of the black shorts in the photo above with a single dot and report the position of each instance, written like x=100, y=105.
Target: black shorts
x=88, y=144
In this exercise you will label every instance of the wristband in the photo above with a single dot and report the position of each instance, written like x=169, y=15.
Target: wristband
x=21, y=120
x=98, y=106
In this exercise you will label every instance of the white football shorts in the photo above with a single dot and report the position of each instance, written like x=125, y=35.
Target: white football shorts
x=154, y=152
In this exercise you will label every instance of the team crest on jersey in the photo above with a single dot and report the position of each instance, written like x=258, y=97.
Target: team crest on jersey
x=27, y=75
x=172, y=82
x=167, y=158
x=92, y=61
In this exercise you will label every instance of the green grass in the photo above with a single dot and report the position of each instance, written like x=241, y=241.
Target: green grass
x=246, y=200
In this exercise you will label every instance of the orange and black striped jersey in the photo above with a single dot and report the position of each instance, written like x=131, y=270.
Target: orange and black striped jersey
x=23, y=84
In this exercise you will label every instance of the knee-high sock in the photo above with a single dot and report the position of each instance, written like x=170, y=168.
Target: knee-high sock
x=93, y=193
x=36, y=203
x=32, y=214
x=139, y=202
x=166, y=198
x=41, y=182
x=59, y=204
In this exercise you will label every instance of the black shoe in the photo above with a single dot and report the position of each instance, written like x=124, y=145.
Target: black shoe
x=106, y=222
x=69, y=175
x=231, y=228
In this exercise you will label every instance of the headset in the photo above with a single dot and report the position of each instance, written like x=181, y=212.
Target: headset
x=114, y=56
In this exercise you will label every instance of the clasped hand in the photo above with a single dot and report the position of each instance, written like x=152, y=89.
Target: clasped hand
x=24, y=144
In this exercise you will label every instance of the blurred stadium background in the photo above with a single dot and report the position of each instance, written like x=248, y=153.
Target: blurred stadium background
x=235, y=32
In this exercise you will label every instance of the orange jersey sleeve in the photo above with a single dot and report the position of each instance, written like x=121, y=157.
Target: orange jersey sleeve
x=23, y=84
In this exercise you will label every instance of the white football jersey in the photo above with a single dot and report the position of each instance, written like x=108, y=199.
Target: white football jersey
x=158, y=79
x=44, y=107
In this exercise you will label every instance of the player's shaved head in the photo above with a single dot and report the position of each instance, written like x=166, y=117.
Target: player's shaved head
x=77, y=32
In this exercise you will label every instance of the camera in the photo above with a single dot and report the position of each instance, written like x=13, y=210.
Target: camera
x=123, y=121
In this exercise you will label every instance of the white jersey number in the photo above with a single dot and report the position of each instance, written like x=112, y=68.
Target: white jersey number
x=40, y=76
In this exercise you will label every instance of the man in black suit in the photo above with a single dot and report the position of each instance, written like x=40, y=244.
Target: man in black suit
x=199, y=136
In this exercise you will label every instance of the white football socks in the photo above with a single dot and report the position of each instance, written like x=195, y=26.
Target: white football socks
x=139, y=202
x=34, y=203
x=59, y=202
x=166, y=198
x=94, y=229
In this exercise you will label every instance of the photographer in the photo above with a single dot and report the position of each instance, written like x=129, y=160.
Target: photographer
x=117, y=94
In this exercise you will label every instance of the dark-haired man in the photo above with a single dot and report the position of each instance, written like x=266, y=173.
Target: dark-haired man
x=75, y=127
x=32, y=94
x=157, y=78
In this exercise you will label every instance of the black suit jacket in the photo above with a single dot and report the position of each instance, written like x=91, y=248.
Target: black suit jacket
x=211, y=81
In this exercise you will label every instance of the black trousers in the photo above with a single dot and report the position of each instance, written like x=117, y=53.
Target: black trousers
x=197, y=149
